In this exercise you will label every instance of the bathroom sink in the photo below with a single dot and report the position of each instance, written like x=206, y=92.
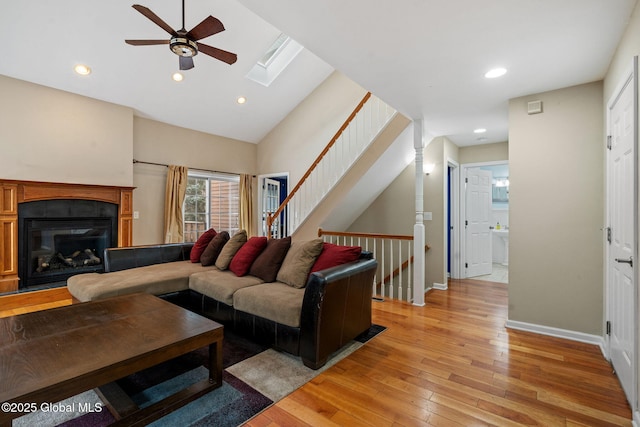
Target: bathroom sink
x=504, y=236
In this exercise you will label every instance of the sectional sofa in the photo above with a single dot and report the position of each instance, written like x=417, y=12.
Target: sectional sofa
x=306, y=298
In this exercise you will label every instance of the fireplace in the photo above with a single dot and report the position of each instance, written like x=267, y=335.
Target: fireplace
x=61, y=238
x=59, y=214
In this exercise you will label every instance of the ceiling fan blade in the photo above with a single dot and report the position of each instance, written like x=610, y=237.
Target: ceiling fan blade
x=208, y=27
x=186, y=62
x=220, y=54
x=146, y=42
x=155, y=18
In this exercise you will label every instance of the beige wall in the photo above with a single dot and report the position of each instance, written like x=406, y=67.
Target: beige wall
x=434, y=202
x=294, y=143
x=166, y=144
x=55, y=136
x=484, y=153
x=385, y=214
x=393, y=212
x=556, y=198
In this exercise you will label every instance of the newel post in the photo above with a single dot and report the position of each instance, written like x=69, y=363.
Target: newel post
x=418, y=228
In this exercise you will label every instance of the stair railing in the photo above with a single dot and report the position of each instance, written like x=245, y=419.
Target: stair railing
x=361, y=128
x=394, y=255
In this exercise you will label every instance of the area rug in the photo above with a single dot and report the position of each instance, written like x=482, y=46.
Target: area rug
x=254, y=377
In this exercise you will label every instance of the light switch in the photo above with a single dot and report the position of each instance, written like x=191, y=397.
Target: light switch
x=428, y=216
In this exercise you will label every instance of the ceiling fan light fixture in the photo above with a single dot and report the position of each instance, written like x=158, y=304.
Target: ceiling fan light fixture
x=182, y=46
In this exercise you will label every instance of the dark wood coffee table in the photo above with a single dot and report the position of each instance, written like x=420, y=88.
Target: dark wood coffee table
x=54, y=354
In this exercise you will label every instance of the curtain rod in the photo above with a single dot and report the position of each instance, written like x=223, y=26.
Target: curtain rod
x=202, y=170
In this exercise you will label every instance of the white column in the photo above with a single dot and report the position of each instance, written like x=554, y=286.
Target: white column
x=418, y=228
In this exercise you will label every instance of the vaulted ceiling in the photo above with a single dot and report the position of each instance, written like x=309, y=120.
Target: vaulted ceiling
x=426, y=58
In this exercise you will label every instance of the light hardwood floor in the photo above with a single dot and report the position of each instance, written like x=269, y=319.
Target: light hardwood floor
x=451, y=363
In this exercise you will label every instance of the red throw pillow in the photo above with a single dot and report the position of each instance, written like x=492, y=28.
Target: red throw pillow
x=245, y=256
x=201, y=244
x=333, y=255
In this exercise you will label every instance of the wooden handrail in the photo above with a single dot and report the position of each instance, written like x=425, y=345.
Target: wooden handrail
x=322, y=232
x=306, y=175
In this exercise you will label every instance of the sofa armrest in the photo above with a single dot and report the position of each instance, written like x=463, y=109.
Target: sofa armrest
x=116, y=259
x=336, y=309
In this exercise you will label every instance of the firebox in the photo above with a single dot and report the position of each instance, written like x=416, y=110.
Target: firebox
x=61, y=238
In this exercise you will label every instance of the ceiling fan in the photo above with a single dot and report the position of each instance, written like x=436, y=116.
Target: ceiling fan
x=185, y=43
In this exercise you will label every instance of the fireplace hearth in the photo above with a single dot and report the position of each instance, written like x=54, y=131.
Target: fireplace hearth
x=61, y=238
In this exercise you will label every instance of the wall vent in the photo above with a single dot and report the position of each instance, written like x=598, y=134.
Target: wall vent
x=534, y=107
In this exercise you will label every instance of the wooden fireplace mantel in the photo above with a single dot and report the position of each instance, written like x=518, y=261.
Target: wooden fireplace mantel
x=13, y=193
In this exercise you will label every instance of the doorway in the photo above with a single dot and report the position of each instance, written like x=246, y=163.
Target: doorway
x=484, y=221
x=272, y=191
x=621, y=276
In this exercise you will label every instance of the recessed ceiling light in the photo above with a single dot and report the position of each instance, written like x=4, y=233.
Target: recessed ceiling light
x=480, y=130
x=177, y=77
x=241, y=100
x=496, y=72
x=82, y=69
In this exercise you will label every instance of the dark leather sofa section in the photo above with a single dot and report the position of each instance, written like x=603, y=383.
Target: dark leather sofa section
x=117, y=259
x=336, y=307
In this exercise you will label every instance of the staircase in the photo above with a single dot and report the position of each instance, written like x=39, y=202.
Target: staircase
x=371, y=123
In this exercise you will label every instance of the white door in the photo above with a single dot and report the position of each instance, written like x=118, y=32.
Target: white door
x=621, y=261
x=478, y=222
x=270, y=203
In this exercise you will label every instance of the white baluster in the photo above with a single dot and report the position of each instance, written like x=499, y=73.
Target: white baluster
x=400, y=269
x=409, y=275
x=391, y=278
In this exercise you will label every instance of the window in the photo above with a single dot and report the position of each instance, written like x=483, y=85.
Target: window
x=211, y=201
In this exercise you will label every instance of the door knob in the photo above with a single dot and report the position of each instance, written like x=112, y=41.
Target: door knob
x=625, y=261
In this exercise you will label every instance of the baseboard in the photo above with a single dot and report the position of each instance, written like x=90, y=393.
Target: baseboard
x=636, y=419
x=440, y=286
x=557, y=332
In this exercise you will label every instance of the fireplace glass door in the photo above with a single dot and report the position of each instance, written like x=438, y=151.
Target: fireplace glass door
x=62, y=238
x=59, y=248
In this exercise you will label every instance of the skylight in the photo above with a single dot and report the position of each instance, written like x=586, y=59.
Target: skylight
x=275, y=60
x=273, y=50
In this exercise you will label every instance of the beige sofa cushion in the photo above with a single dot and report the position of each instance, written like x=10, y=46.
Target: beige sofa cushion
x=154, y=279
x=274, y=301
x=220, y=285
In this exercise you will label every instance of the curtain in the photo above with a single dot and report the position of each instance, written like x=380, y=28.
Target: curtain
x=247, y=220
x=173, y=199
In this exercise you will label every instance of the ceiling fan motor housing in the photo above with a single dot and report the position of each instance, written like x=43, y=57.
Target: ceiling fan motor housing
x=182, y=46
